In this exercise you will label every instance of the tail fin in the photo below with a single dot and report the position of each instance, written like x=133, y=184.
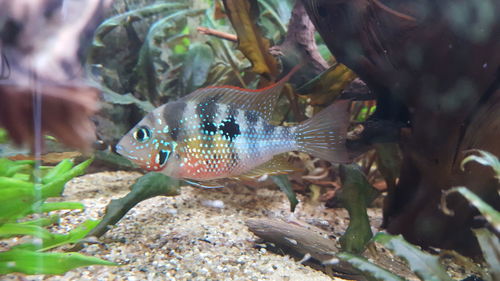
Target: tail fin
x=324, y=134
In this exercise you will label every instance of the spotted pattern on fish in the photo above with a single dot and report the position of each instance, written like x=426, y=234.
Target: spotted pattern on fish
x=220, y=132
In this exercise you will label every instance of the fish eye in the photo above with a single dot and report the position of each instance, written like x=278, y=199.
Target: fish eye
x=142, y=134
x=162, y=156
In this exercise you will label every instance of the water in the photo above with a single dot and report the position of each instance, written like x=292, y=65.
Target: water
x=431, y=73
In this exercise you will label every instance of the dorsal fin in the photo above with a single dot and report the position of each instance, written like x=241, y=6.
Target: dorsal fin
x=276, y=166
x=260, y=100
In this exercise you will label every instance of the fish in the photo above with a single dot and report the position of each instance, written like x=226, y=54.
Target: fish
x=225, y=132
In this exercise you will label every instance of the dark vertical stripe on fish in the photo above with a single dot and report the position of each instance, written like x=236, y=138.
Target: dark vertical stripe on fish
x=232, y=111
x=251, y=117
x=207, y=108
x=172, y=114
x=268, y=129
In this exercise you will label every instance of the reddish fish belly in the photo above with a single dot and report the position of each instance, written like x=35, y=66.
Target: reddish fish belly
x=192, y=169
x=152, y=167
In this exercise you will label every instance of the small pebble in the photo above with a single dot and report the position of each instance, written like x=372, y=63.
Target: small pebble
x=213, y=204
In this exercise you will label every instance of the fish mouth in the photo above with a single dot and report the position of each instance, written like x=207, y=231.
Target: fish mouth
x=121, y=150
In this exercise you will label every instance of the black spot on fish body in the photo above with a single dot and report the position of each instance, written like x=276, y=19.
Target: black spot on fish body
x=229, y=128
x=251, y=117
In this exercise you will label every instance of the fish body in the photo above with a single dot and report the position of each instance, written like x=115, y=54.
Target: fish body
x=225, y=132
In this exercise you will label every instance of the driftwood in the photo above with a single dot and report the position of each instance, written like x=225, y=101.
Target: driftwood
x=438, y=73
x=303, y=241
x=300, y=46
x=42, y=90
x=217, y=33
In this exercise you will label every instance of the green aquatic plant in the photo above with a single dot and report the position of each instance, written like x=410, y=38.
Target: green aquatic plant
x=24, y=189
x=426, y=266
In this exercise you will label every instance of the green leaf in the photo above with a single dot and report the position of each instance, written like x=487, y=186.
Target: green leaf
x=484, y=158
x=4, y=138
x=114, y=159
x=55, y=240
x=5, y=164
x=54, y=188
x=389, y=163
x=328, y=85
x=370, y=269
x=14, y=229
x=281, y=15
x=45, y=221
x=155, y=62
x=197, y=64
x=132, y=16
x=29, y=262
x=53, y=206
x=356, y=194
x=490, y=245
x=489, y=213
x=58, y=170
x=11, y=183
x=425, y=266
x=15, y=203
x=72, y=237
x=19, y=198
x=284, y=184
x=9, y=168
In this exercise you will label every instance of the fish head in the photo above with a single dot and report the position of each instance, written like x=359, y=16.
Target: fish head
x=149, y=145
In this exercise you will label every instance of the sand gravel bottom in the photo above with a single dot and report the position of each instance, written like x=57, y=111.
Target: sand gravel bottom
x=199, y=235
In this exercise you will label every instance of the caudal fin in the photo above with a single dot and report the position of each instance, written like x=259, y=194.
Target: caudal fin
x=324, y=134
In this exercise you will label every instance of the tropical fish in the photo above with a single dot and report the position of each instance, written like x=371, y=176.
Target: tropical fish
x=225, y=132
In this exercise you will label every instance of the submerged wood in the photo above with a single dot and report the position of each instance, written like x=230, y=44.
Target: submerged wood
x=304, y=242
x=437, y=72
x=299, y=46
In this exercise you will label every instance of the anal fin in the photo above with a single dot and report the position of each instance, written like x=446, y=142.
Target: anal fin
x=279, y=164
x=205, y=184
